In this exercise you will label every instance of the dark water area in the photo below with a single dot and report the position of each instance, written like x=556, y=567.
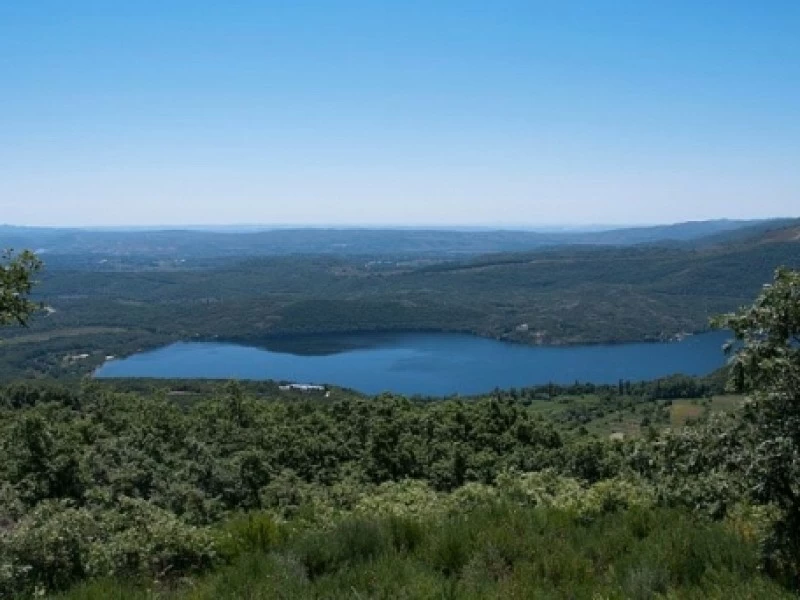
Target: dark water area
x=435, y=364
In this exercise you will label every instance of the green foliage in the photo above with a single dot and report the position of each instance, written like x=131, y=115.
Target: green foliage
x=767, y=363
x=703, y=467
x=496, y=551
x=247, y=533
x=16, y=283
x=134, y=485
x=350, y=541
x=57, y=544
x=769, y=333
x=98, y=483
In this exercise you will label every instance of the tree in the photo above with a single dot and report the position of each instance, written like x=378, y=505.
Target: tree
x=16, y=282
x=766, y=353
x=766, y=363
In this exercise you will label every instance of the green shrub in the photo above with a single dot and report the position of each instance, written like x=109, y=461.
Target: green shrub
x=108, y=589
x=47, y=550
x=450, y=546
x=255, y=577
x=56, y=545
x=407, y=498
x=250, y=532
x=360, y=539
x=144, y=539
x=549, y=489
x=406, y=533
x=501, y=550
x=646, y=582
x=352, y=540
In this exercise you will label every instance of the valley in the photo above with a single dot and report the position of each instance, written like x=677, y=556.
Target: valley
x=559, y=296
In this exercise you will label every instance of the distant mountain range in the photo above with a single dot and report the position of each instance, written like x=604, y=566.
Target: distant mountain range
x=192, y=243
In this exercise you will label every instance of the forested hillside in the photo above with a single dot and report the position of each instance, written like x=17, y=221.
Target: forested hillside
x=571, y=295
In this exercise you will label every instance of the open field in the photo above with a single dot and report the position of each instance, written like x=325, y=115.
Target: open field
x=606, y=416
x=683, y=411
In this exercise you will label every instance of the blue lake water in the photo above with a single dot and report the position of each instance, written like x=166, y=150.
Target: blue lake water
x=425, y=363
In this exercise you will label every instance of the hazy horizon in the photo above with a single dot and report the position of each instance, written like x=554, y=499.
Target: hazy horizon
x=353, y=113
x=257, y=227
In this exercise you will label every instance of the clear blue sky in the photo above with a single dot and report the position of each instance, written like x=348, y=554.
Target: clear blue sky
x=483, y=113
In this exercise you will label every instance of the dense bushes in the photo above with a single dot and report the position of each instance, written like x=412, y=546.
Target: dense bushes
x=239, y=452
x=132, y=485
x=98, y=483
x=498, y=550
x=57, y=544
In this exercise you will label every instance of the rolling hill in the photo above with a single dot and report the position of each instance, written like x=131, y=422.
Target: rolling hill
x=196, y=244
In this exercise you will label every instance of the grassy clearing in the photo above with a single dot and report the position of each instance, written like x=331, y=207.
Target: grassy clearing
x=727, y=403
x=686, y=410
x=630, y=417
x=682, y=411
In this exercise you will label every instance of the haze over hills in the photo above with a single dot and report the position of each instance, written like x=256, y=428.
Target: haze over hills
x=193, y=243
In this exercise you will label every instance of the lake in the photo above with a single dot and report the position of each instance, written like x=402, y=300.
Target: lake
x=436, y=364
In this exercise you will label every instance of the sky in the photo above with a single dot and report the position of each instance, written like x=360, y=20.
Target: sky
x=486, y=113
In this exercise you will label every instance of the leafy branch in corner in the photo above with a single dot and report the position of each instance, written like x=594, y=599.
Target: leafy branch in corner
x=16, y=282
